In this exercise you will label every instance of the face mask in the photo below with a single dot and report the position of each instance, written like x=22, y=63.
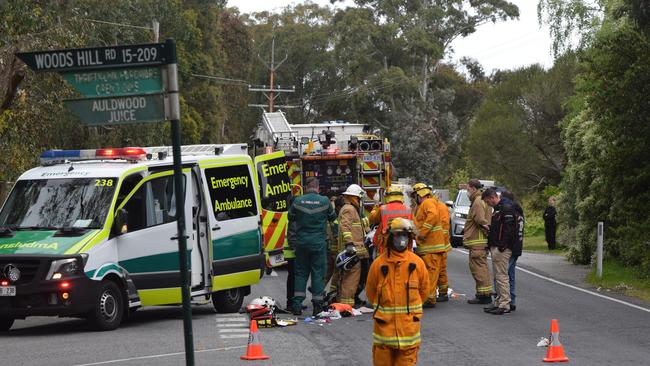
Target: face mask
x=400, y=241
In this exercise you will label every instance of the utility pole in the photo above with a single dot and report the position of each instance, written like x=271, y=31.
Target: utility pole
x=272, y=89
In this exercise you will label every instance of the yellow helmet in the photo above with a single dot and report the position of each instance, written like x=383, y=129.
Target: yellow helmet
x=400, y=224
x=393, y=193
x=421, y=189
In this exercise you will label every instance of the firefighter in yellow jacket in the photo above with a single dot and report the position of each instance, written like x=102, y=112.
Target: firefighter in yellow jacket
x=475, y=239
x=443, y=280
x=351, y=235
x=398, y=283
x=430, y=238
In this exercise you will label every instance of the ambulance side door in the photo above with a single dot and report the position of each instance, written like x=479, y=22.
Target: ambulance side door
x=234, y=218
x=275, y=190
x=147, y=249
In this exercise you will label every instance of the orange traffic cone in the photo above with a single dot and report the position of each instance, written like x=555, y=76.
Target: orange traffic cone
x=555, y=351
x=254, y=350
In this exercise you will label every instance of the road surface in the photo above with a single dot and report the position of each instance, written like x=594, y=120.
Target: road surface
x=594, y=331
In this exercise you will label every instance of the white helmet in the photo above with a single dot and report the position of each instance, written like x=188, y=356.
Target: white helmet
x=354, y=190
x=263, y=301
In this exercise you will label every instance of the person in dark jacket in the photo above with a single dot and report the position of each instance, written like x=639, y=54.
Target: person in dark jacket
x=310, y=212
x=550, y=223
x=517, y=249
x=501, y=241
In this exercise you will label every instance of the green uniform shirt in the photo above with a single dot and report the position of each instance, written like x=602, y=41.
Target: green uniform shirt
x=311, y=213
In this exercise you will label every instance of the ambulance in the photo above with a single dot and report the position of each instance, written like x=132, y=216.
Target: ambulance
x=93, y=233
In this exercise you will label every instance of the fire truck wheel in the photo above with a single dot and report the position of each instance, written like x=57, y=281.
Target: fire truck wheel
x=109, y=307
x=228, y=301
x=6, y=323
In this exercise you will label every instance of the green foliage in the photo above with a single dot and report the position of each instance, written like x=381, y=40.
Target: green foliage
x=34, y=119
x=515, y=135
x=607, y=138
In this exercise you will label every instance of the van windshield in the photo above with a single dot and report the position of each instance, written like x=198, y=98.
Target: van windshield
x=52, y=204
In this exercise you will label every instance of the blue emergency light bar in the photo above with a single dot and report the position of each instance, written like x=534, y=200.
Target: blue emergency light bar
x=126, y=153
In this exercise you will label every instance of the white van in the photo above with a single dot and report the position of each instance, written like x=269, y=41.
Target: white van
x=91, y=233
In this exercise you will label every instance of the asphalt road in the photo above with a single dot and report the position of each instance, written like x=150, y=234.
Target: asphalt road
x=594, y=331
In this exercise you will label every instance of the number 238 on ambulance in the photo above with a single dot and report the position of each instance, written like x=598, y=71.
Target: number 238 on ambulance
x=91, y=233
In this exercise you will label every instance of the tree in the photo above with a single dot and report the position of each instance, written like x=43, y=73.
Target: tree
x=515, y=136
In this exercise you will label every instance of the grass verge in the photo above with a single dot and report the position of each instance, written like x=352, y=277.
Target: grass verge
x=538, y=244
x=619, y=278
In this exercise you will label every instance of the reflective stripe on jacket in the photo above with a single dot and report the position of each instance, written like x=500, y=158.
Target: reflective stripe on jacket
x=397, y=286
x=351, y=229
x=479, y=214
x=430, y=238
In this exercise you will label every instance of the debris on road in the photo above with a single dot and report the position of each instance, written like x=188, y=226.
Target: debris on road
x=543, y=342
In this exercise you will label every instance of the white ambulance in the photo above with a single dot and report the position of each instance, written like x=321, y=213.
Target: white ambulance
x=91, y=233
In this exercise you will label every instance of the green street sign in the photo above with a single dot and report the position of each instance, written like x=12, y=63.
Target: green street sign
x=116, y=82
x=119, y=110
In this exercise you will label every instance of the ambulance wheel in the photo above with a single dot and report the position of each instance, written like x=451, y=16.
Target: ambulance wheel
x=228, y=301
x=6, y=323
x=109, y=307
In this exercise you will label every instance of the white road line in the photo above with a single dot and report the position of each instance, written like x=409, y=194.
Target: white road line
x=236, y=330
x=233, y=336
x=229, y=325
x=228, y=320
x=575, y=287
x=159, y=356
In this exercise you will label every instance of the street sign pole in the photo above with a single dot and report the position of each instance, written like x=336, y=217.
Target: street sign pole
x=175, y=118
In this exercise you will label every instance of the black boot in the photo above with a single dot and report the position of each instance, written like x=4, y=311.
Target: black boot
x=318, y=307
x=483, y=300
x=442, y=298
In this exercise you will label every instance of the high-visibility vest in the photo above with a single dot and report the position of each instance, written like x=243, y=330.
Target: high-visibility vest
x=388, y=212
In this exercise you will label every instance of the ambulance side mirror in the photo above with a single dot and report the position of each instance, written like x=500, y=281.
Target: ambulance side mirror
x=449, y=203
x=119, y=222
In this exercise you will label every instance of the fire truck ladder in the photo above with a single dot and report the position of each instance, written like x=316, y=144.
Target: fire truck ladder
x=283, y=137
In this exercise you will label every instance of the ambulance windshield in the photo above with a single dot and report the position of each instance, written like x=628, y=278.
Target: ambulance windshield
x=53, y=204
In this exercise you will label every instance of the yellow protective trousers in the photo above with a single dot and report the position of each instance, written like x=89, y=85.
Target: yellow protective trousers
x=443, y=281
x=433, y=262
x=388, y=356
x=349, y=284
x=478, y=265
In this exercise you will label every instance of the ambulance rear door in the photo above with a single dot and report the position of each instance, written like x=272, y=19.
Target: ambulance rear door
x=275, y=190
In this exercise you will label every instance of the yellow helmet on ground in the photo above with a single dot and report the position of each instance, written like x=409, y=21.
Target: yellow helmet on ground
x=421, y=189
x=400, y=224
x=393, y=193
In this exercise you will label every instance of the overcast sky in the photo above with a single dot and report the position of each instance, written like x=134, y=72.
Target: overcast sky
x=505, y=45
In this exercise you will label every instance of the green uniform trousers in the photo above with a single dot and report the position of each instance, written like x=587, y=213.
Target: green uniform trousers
x=309, y=261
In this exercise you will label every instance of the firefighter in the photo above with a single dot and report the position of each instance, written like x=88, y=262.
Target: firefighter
x=310, y=212
x=475, y=239
x=333, y=247
x=351, y=235
x=443, y=280
x=382, y=215
x=398, y=283
x=430, y=238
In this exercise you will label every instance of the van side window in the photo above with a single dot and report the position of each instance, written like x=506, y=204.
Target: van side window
x=154, y=203
x=232, y=194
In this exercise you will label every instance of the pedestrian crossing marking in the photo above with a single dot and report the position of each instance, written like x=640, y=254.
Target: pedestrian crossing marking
x=230, y=336
x=226, y=320
x=236, y=330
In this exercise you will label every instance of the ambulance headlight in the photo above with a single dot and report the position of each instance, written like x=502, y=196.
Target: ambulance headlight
x=61, y=268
